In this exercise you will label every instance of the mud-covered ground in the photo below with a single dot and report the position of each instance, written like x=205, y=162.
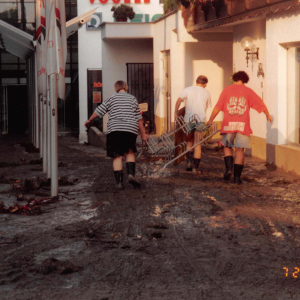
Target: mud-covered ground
x=180, y=236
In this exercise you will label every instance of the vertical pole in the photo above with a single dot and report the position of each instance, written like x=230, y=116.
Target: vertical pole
x=54, y=143
x=41, y=123
x=37, y=107
x=48, y=132
x=45, y=156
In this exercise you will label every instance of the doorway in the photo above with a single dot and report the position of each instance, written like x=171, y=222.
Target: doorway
x=140, y=84
x=14, y=109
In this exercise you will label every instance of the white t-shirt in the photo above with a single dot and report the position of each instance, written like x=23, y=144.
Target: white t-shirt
x=197, y=100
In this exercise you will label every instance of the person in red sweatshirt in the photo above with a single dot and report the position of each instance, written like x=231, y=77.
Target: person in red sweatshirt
x=235, y=101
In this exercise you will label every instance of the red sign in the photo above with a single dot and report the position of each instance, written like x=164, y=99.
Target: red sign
x=96, y=97
x=97, y=84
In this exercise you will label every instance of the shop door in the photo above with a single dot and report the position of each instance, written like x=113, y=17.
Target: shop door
x=140, y=85
x=94, y=78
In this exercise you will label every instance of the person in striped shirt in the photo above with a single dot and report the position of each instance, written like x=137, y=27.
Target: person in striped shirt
x=124, y=123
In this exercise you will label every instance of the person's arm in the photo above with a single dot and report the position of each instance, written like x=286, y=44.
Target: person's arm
x=177, y=105
x=269, y=118
x=213, y=115
x=144, y=136
x=92, y=117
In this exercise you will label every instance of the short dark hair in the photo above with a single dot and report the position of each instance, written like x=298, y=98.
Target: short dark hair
x=241, y=75
x=201, y=79
x=121, y=85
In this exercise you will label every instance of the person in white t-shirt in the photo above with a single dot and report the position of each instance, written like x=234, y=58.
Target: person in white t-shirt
x=197, y=100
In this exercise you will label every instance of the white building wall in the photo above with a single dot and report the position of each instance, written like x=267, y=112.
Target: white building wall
x=208, y=54
x=90, y=45
x=116, y=53
x=280, y=32
x=162, y=41
x=257, y=31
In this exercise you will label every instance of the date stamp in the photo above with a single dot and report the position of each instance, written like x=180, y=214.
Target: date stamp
x=292, y=273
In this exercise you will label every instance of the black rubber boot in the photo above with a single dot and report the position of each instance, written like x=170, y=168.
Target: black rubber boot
x=119, y=179
x=189, y=158
x=130, y=166
x=237, y=173
x=229, y=166
x=196, y=163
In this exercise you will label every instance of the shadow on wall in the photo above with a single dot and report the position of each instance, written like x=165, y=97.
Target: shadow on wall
x=219, y=53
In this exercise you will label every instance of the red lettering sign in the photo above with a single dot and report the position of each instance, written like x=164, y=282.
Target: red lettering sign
x=50, y=44
x=97, y=84
x=41, y=71
x=61, y=72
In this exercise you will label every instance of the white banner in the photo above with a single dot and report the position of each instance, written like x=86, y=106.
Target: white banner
x=57, y=42
x=41, y=47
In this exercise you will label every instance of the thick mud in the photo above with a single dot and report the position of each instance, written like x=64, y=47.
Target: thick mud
x=180, y=236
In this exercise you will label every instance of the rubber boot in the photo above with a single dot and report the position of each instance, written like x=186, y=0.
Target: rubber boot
x=130, y=166
x=229, y=166
x=189, y=158
x=119, y=179
x=196, y=163
x=237, y=173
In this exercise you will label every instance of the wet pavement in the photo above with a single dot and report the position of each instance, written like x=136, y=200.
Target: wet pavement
x=180, y=236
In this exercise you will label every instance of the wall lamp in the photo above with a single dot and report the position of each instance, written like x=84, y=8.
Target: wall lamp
x=248, y=45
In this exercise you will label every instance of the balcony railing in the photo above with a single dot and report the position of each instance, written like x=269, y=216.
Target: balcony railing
x=218, y=9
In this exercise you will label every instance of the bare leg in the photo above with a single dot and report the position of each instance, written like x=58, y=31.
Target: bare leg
x=117, y=163
x=189, y=141
x=228, y=151
x=130, y=157
x=239, y=156
x=197, y=150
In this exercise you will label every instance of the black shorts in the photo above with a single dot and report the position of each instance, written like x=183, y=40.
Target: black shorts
x=119, y=142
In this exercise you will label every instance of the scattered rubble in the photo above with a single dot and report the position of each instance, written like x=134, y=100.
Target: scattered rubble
x=31, y=208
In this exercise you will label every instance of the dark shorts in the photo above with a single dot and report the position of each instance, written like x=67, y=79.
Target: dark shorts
x=119, y=142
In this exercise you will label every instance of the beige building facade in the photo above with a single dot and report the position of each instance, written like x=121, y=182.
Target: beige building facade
x=181, y=48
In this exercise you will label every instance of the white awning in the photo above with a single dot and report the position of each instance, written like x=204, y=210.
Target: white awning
x=16, y=41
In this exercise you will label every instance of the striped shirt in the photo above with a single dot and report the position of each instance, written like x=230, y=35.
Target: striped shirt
x=123, y=113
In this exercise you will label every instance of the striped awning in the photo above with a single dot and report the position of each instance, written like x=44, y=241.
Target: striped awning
x=16, y=41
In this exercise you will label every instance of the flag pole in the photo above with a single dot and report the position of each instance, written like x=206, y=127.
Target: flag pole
x=45, y=156
x=53, y=135
x=48, y=132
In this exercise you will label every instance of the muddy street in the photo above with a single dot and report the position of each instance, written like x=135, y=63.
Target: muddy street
x=180, y=236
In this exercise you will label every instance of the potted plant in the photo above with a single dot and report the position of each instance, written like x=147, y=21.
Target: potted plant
x=122, y=12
